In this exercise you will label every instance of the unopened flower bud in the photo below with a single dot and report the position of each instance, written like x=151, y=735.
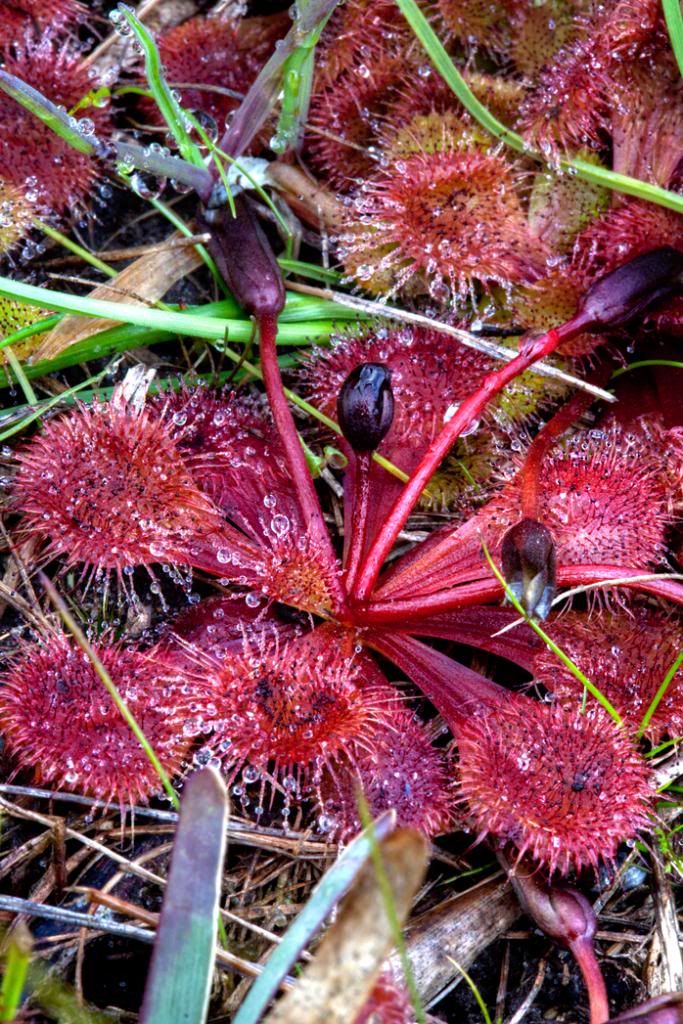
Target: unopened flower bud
x=664, y=1009
x=244, y=257
x=563, y=913
x=528, y=557
x=628, y=291
x=365, y=407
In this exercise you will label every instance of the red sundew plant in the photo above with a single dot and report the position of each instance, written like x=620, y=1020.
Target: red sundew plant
x=627, y=653
x=17, y=18
x=16, y=215
x=403, y=771
x=389, y=1003
x=229, y=446
x=220, y=626
x=569, y=107
x=344, y=120
x=476, y=22
x=105, y=486
x=360, y=32
x=45, y=168
x=59, y=720
x=626, y=231
x=292, y=708
x=603, y=494
x=536, y=34
x=440, y=223
x=562, y=786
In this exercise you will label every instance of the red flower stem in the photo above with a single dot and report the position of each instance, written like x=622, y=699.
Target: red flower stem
x=407, y=612
x=359, y=516
x=541, y=445
x=584, y=954
x=470, y=409
x=286, y=428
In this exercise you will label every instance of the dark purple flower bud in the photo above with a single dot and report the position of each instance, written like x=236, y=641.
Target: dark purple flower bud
x=628, y=291
x=664, y=1009
x=244, y=257
x=365, y=407
x=528, y=557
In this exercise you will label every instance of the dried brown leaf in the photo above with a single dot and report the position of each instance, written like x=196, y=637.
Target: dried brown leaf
x=142, y=283
x=335, y=986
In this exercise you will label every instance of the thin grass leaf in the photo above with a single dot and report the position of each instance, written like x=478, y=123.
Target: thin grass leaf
x=557, y=651
x=19, y=375
x=324, y=898
x=39, y=327
x=15, y=971
x=179, y=981
x=75, y=248
x=674, y=24
x=38, y=409
x=110, y=686
x=168, y=105
x=193, y=324
x=646, y=362
x=657, y=699
x=583, y=168
x=262, y=96
x=56, y=119
x=297, y=80
x=128, y=154
x=475, y=991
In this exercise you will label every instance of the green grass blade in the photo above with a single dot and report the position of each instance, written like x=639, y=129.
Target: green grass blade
x=75, y=248
x=646, y=362
x=583, y=168
x=474, y=990
x=674, y=24
x=17, y=960
x=56, y=119
x=170, y=109
x=39, y=327
x=658, y=697
x=327, y=893
x=179, y=981
x=19, y=375
x=297, y=80
x=195, y=325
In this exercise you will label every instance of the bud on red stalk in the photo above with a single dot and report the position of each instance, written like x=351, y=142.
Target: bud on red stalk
x=244, y=257
x=664, y=1009
x=528, y=557
x=365, y=407
x=622, y=295
x=566, y=916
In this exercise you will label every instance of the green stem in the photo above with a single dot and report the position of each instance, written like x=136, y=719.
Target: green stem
x=110, y=686
x=583, y=168
x=674, y=24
